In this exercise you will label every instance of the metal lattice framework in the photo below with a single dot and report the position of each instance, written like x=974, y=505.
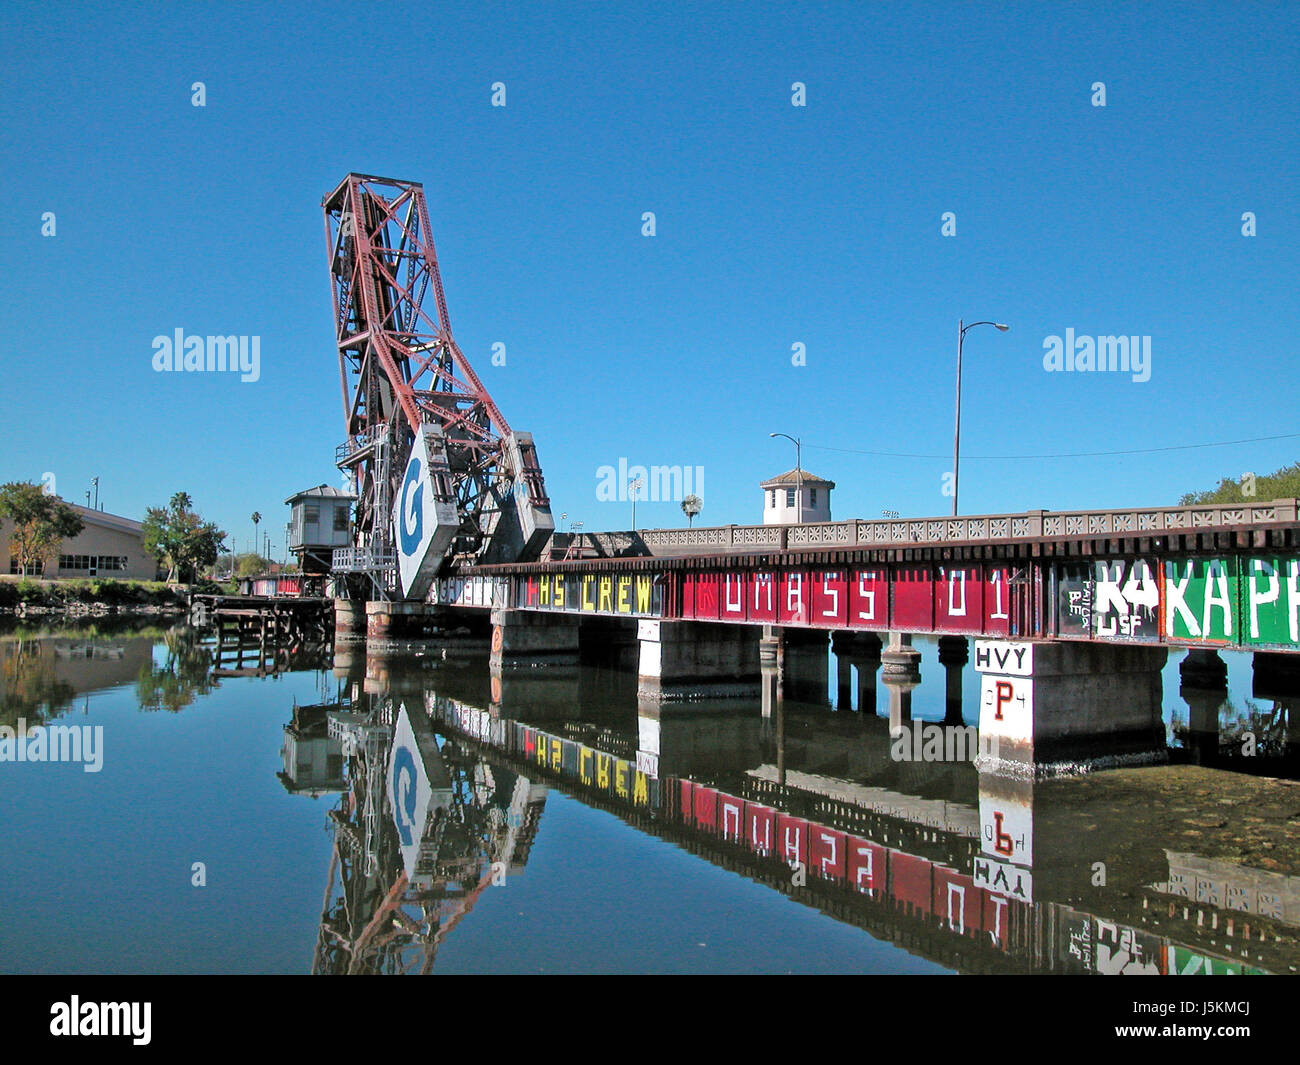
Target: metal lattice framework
x=400, y=369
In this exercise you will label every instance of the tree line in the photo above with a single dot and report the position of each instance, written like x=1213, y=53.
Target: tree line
x=184, y=544
x=1280, y=484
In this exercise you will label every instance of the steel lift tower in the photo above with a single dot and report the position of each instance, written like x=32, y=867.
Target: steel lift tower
x=440, y=476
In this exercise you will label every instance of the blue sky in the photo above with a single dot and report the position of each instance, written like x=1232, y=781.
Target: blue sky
x=776, y=225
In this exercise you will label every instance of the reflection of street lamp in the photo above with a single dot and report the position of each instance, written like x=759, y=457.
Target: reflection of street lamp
x=633, y=485
x=798, y=469
x=956, y=432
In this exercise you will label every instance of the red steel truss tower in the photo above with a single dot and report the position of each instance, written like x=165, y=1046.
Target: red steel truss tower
x=439, y=474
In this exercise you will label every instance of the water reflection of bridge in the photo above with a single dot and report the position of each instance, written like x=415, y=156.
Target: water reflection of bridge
x=423, y=828
x=974, y=871
x=936, y=882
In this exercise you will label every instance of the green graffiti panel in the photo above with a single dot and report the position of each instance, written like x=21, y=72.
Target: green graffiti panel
x=1270, y=601
x=1202, y=600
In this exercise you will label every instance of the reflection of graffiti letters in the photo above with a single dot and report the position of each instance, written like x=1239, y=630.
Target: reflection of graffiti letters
x=1103, y=946
x=1080, y=943
x=1125, y=950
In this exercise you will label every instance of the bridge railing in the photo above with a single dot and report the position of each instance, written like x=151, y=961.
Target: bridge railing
x=361, y=560
x=1030, y=525
x=354, y=444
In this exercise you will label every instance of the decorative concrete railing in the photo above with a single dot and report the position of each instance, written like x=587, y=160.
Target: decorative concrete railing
x=995, y=528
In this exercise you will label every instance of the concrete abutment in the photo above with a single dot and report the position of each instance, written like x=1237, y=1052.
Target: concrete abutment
x=697, y=660
x=1052, y=709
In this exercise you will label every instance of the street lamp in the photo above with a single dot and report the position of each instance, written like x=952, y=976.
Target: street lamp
x=633, y=485
x=798, y=468
x=956, y=432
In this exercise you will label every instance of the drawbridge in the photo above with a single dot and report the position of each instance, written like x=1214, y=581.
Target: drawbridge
x=440, y=476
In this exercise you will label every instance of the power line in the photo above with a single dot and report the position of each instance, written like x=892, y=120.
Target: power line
x=1063, y=454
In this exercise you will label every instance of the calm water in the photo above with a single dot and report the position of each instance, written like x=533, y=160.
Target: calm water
x=389, y=815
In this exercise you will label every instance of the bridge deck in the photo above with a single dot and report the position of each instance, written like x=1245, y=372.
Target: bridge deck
x=1196, y=576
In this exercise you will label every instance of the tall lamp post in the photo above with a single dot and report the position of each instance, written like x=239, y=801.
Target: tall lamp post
x=956, y=432
x=634, y=486
x=798, y=469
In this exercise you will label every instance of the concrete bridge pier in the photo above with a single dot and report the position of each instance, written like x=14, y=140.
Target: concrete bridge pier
x=842, y=644
x=609, y=643
x=954, y=653
x=1203, y=668
x=900, y=672
x=860, y=650
x=869, y=648
x=697, y=660
x=805, y=671
x=1277, y=679
x=1204, y=687
x=349, y=621
x=1071, y=707
x=523, y=639
x=769, y=668
x=393, y=620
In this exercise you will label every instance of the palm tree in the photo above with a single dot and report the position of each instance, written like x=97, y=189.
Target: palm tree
x=257, y=517
x=691, y=506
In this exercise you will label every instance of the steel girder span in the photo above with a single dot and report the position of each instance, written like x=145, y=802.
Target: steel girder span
x=439, y=474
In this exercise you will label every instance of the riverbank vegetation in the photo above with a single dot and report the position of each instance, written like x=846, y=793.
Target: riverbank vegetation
x=28, y=593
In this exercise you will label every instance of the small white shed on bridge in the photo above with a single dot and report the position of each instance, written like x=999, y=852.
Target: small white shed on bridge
x=796, y=496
